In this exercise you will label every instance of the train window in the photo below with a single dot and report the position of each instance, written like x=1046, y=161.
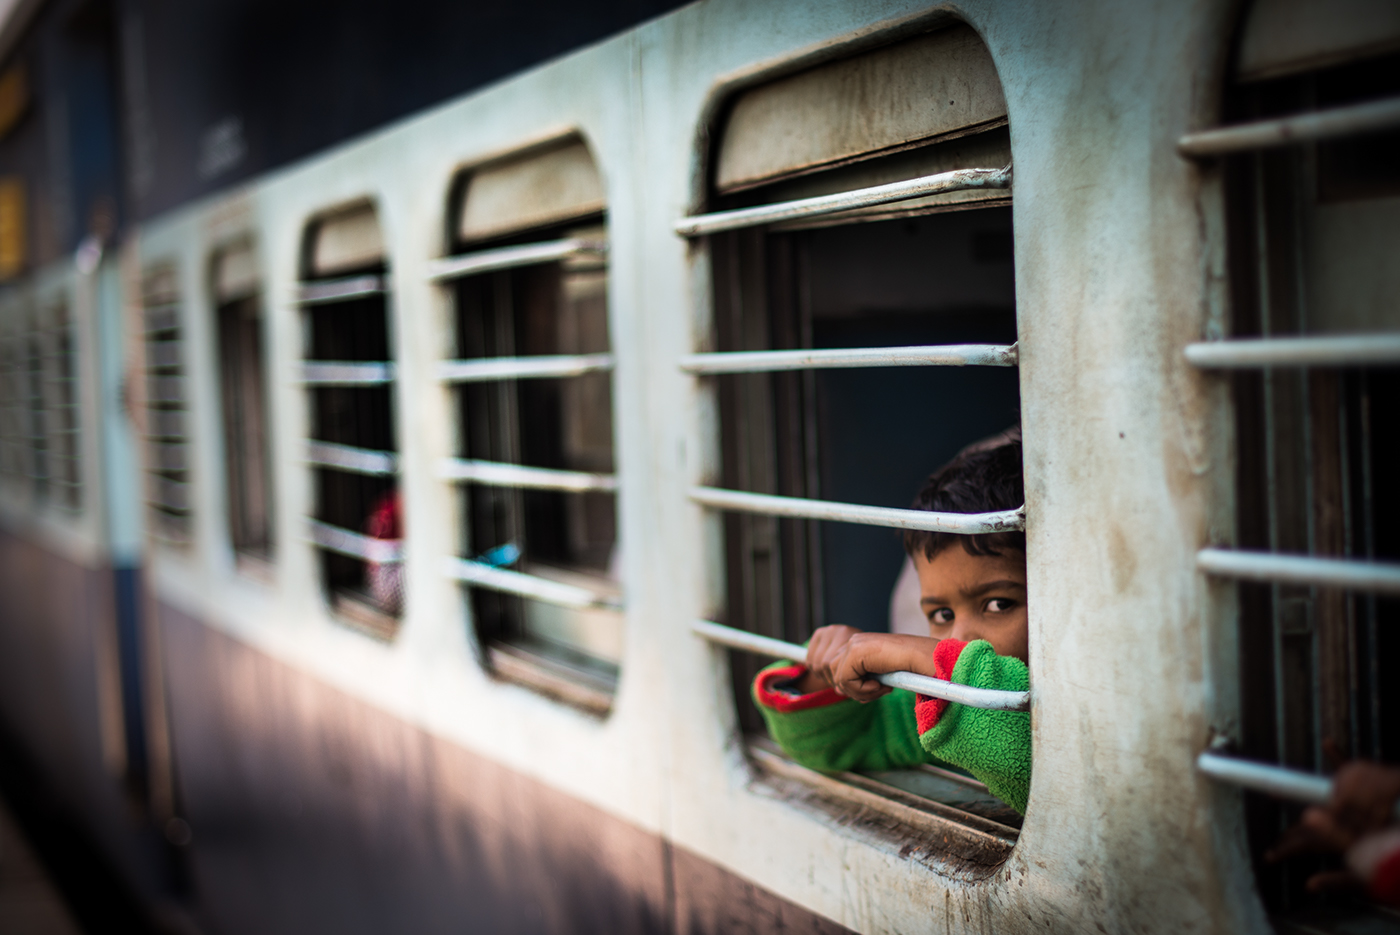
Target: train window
x=168, y=468
x=61, y=405
x=40, y=405
x=349, y=374
x=242, y=384
x=858, y=239
x=1314, y=362
x=535, y=463
x=11, y=441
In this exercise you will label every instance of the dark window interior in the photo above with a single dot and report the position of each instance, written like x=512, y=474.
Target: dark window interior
x=242, y=380
x=168, y=451
x=365, y=594
x=565, y=423
x=1318, y=453
x=868, y=436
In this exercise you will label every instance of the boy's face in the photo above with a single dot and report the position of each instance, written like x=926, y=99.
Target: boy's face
x=976, y=597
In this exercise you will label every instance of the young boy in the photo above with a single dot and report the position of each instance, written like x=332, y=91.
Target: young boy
x=831, y=714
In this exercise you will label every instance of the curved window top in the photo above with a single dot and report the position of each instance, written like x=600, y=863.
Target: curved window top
x=551, y=184
x=348, y=240
x=940, y=85
x=1286, y=37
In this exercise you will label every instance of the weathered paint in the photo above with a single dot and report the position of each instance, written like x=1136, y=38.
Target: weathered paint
x=1118, y=268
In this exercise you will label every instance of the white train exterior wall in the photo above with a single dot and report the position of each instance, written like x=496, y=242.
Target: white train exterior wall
x=319, y=767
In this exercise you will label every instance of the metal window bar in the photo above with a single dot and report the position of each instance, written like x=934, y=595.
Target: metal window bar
x=346, y=373
x=937, y=355
x=533, y=254
x=498, y=474
x=1351, y=350
x=1373, y=577
x=1300, y=128
x=521, y=368
x=1270, y=779
x=955, y=181
x=355, y=545
x=337, y=290
x=349, y=458
x=968, y=524
x=988, y=698
x=482, y=575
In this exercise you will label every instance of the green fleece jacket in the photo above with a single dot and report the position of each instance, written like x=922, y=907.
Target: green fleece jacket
x=828, y=732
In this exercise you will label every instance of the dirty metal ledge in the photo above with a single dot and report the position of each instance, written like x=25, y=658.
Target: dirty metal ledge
x=1301, y=128
x=987, y=698
x=934, y=355
x=955, y=181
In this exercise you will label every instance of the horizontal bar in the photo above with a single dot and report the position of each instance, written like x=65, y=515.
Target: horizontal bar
x=519, y=368
x=532, y=586
x=1300, y=128
x=496, y=474
x=1376, y=577
x=1273, y=780
x=347, y=373
x=1349, y=350
x=348, y=458
x=354, y=544
x=967, y=524
x=934, y=355
x=530, y=254
x=336, y=290
x=1265, y=777
x=934, y=688
x=955, y=181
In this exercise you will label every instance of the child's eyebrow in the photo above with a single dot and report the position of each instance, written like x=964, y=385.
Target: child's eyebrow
x=1002, y=584
x=978, y=591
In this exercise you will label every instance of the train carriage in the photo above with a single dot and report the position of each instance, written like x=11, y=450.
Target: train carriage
x=391, y=534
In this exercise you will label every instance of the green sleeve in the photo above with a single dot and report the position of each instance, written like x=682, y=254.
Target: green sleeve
x=846, y=735
x=994, y=746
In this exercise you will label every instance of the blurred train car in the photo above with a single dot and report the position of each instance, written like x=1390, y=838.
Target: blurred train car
x=405, y=413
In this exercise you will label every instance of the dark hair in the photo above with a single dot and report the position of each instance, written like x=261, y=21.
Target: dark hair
x=984, y=477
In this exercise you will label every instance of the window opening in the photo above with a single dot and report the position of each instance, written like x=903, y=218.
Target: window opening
x=352, y=449
x=65, y=468
x=35, y=415
x=243, y=388
x=167, y=444
x=532, y=371
x=1313, y=196
x=11, y=443
x=846, y=283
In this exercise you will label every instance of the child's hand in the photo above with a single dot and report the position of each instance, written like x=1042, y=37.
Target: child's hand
x=867, y=655
x=826, y=646
x=1363, y=796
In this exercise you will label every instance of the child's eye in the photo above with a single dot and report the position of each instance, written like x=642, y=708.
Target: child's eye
x=999, y=605
x=942, y=616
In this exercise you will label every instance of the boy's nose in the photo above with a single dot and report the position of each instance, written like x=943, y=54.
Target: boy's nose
x=966, y=631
